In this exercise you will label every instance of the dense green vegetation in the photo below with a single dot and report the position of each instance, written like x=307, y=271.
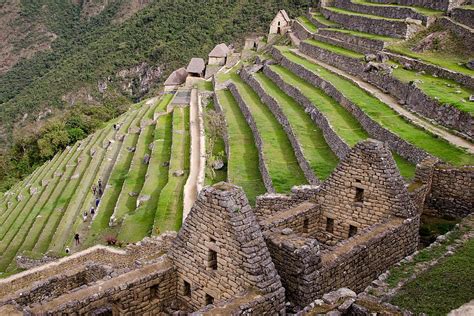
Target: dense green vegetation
x=166, y=34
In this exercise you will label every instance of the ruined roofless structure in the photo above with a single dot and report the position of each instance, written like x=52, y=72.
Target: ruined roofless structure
x=231, y=259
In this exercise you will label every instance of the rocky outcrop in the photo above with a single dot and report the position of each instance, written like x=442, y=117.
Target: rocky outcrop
x=139, y=79
x=283, y=120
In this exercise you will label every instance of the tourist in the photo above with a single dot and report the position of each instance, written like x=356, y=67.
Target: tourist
x=68, y=250
x=76, y=239
x=84, y=216
x=92, y=212
x=97, y=201
x=94, y=190
x=100, y=183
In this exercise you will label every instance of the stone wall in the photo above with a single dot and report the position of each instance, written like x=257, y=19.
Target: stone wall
x=302, y=218
x=419, y=65
x=373, y=128
x=267, y=180
x=353, y=197
x=409, y=95
x=218, y=107
x=146, y=290
x=452, y=191
x=463, y=16
x=338, y=146
x=297, y=260
x=220, y=251
x=392, y=12
x=443, y=5
x=300, y=30
x=359, y=44
x=464, y=34
x=342, y=43
x=392, y=28
x=277, y=112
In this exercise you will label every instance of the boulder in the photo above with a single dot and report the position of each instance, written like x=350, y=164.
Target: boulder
x=217, y=165
x=470, y=64
x=370, y=57
x=178, y=173
x=335, y=296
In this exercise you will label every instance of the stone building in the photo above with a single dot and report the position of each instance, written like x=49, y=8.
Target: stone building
x=281, y=24
x=176, y=79
x=218, y=56
x=229, y=258
x=196, y=67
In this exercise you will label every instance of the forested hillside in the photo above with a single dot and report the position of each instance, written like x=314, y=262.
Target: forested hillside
x=99, y=56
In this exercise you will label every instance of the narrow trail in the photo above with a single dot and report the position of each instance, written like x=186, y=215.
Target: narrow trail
x=393, y=103
x=192, y=186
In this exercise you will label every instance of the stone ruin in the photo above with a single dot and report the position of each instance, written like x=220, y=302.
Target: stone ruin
x=232, y=259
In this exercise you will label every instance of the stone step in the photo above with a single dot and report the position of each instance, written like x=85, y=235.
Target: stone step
x=374, y=24
x=426, y=16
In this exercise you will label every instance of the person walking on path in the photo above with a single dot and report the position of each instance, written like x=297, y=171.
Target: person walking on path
x=76, y=239
x=94, y=190
x=84, y=216
x=97, y=201
x=92, y=212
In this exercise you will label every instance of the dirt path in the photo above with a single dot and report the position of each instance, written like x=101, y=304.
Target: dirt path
x=393, y=103
x=194, y=183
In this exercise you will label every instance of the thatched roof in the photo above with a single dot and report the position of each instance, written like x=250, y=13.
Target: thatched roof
x=219, y=51
x=177, y=77
x=196, y=66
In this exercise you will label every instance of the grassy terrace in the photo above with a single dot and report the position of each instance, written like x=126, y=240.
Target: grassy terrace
x=66, y=195
x=307, y=23
x=386, y=116
x=217, y=150
x=140, y=223
x=19, y=230
x=169, y=212
x=321, y=19
x=135, y=177
x=421, y=10
x=278, y=152
x=343, y=123
x=100, y=225
x=365, y=35
x=442, y=59
x=242, y=172
x=446, y=91
x=369, y=16
x=442, y=288
x=319, y=155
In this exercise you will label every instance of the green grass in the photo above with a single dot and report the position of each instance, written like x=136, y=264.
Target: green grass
x=446, y=60
x=242, y=172
x=438, y=88
x=442, y=288
x=365, y=35
x=280, y=159
x=205, y=85
x=169, y=212
x=307, y=23
x=370, y=16
x=321, y=19
x=387, y=117
x=218, y=149
x=421, y=10
x=335, y=49
x=316, y=151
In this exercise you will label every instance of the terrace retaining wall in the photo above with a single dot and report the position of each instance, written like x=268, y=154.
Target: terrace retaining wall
x=342, y=43
x=402, y=147
x=337, y=145
x=443, y=5
x=365, y=45
x=301, y=31
x=392, y=28
x=464, y=34
x=283, y=120
x=218, y=107
x=410, y=95
x=267, y=180
x=463, y=16
x=392, y=12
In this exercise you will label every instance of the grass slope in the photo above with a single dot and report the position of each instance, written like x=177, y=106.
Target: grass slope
x=319, y=155
x=243, y=169
x=278, y=152
x=387, y=117
x=169, y=212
